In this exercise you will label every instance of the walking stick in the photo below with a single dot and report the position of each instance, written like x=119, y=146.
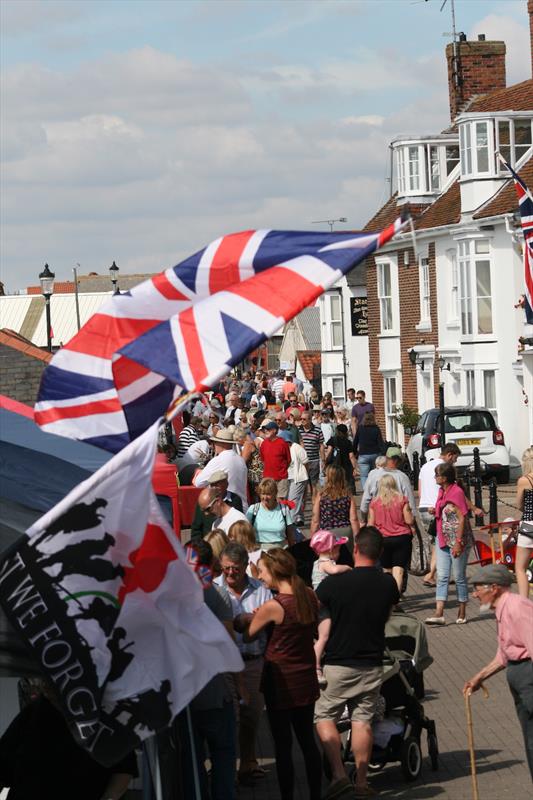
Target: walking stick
x=470, y=728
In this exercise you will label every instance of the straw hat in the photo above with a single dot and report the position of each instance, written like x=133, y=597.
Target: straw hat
x=224, y=436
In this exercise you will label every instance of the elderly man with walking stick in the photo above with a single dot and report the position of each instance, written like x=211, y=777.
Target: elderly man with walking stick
x=514, y=615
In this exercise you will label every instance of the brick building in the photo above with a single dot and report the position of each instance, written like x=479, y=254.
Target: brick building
x=454, y=299
x=21, y=367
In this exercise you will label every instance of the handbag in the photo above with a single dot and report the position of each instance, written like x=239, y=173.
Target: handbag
x=432, y=529
x=526, y=528
x=450, y=527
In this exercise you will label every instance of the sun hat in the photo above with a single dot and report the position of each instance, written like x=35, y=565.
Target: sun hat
x=325, y=541
x=217, y=476
x=224, y=436
x=295, y=412
x=493, y=573
x=394, y=452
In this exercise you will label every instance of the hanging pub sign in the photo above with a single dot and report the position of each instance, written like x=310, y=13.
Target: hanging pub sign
x=359, y=315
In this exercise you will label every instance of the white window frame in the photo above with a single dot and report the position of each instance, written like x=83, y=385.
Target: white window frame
x=510, y=157
x=469, y=150
x=492, y=407
x=386, y=304
x=469, y=299
x=391, y=399
x=424, y=285
x=470, y=387
x=338, y=397
x=335, y=322
x=453, y=320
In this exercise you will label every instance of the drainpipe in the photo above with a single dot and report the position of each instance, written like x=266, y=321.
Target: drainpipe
x=339, y=290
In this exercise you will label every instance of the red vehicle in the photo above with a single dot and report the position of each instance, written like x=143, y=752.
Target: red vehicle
x=496, y=544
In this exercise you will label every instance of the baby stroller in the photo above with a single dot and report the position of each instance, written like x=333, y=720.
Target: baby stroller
x=401, y=719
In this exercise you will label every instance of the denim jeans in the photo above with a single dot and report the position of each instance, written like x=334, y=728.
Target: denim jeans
x=366, y=463
x=215, y=728
x=445, y=563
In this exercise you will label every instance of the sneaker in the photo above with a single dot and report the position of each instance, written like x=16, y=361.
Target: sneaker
x=435, y=621
x=461, y=621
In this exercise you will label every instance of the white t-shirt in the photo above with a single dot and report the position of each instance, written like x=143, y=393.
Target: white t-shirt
x=225, y=522
x=429, y=489
x=299, y=457
x=235, y=467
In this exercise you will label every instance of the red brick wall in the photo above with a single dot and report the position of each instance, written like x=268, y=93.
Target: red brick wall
x=408, y=282
x=530, y=12
x=481, y=69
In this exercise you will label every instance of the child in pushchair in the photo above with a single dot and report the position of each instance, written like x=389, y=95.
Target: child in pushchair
x=400, y=717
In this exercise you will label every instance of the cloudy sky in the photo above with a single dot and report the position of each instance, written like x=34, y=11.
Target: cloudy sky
x=139, y=131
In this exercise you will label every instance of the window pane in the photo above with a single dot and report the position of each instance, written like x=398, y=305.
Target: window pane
x=482, y=147
x=335, y=306
x=489, y=388
x=452, y=157
x=434, y=167
x=336, y=334
x=483, y=278
x=522, y=137
x=337, y=387
x=482, y=245
x=468, y=152
x=470, y=388
x=466, y=298
x=414, y=170
x=504, y=138
x=484, y=315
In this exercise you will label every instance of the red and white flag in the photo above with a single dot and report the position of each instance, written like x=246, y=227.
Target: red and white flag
x=102, y=592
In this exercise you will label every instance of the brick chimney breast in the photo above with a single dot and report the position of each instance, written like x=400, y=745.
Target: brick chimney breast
x=475, y=68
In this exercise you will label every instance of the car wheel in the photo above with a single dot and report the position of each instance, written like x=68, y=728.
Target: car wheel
x=411, y=758
x=504, y=475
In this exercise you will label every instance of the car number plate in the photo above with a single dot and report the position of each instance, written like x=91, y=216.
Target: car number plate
x=467, y=442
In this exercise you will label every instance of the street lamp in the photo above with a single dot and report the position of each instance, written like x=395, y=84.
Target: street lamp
x=330, y=222
x=113, y=274
x=441, y=361
x=46, y=279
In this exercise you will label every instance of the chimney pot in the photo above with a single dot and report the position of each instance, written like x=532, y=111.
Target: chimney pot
x=462, y=37
x=481, y=37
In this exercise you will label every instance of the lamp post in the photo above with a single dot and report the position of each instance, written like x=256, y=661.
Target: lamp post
x=46, y=279
x=441, y=361
x=113, y=274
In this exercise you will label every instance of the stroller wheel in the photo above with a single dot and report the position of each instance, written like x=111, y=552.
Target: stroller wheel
x=411, y=758
x=433, y=750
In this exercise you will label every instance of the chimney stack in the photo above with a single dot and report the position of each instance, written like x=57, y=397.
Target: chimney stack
x=530, y=12
x=475, y=68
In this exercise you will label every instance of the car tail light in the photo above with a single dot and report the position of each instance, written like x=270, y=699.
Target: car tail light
x=434, y=440
x=497, y=437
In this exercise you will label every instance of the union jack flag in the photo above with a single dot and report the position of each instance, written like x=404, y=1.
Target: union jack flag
x=186, y=327
x=525, y=204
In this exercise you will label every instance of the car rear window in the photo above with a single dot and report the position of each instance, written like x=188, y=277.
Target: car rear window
x=469, y=422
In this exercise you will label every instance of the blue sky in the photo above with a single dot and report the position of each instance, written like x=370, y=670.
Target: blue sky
x=139, y=131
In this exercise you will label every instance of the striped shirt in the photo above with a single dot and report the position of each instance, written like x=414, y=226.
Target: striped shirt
x=187, y=437
x=277, y=387
x=311, y=440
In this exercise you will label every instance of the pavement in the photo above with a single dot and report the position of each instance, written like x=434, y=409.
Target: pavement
x=459, y=651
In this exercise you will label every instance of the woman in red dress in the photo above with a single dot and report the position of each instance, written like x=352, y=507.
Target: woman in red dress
x=289, y=681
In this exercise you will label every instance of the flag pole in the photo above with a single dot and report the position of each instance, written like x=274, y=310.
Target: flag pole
x=193, y=753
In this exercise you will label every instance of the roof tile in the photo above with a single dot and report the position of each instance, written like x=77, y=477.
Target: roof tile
x=308, y=359
x=17, y=342
x=505, y=201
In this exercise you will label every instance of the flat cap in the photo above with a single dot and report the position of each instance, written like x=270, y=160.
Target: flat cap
x=493, y=573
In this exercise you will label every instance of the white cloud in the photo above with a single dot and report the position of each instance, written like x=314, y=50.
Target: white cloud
x=501, y=27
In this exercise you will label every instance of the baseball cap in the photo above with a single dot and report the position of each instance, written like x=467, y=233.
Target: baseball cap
x=394, y=452
x=493, y=573
x=325, y=541
x=269, y=425
x=218, y=475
